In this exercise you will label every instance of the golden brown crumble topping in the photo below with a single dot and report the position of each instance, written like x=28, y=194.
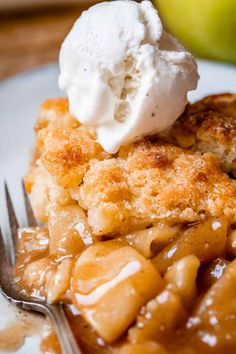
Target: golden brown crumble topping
x=209, y=126
x=145, y=183
x=125, y=194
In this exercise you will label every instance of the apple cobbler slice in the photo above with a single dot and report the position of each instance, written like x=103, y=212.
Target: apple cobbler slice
x=140, y=243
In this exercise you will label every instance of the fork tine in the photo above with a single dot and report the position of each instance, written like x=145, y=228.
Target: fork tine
x=3, y=255
x=29, y=211
x=14, y=226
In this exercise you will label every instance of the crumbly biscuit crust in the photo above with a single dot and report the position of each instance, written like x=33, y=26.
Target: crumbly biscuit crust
x=144, y=183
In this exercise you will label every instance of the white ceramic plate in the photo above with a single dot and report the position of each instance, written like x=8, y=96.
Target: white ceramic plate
x=19, y=101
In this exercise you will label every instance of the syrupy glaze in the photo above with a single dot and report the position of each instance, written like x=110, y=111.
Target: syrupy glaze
x=182, y=300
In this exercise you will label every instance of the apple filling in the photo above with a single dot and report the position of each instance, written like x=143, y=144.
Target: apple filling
x=134, y=301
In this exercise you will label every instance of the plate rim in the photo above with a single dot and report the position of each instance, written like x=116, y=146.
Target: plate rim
x=55, y=64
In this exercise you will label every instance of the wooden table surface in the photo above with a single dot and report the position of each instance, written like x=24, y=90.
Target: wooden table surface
x=31, y=38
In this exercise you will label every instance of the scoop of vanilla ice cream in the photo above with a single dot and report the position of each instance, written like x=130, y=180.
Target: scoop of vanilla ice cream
x=125, y=77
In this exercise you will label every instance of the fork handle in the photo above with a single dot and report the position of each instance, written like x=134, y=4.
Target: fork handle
x=65, y=336
x=64, y=333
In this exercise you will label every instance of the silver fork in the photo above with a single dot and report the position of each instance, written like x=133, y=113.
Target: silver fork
x=7, y=260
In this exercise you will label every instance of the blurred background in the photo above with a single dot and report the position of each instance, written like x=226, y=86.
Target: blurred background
x=31, y=31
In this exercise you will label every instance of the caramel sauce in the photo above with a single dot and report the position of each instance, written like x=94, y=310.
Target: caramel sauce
x=25, y=324
x=49, y=343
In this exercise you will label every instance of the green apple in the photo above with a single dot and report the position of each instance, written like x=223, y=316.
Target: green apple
x=205, y=27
